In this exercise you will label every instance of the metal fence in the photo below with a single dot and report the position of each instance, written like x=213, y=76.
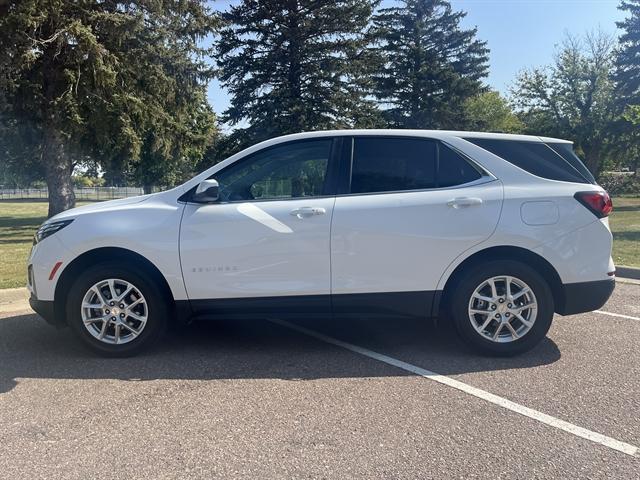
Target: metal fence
x=82, y=193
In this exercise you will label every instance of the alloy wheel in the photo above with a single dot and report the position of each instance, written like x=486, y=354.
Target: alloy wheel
x=114, y=311
x=503, y=309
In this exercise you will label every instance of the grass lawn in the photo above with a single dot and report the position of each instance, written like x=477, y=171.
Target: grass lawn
x=19, y=221
x=625, y=225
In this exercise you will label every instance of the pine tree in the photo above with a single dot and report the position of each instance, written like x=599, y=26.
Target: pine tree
x=627, y=83
x=627, y=74
x=117, y=82
x=430, y=65
x=295, y=65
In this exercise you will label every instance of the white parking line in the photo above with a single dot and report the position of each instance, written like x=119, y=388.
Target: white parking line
x=476, y=392
x=628, y=317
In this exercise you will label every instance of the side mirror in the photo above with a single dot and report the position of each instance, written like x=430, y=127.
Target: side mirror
x=207, y=191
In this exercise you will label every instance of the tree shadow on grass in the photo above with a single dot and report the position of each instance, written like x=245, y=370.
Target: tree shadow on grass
x=631, y=236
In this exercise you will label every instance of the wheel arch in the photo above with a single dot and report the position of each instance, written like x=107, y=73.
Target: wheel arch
x=102, y=255
x=532, y=259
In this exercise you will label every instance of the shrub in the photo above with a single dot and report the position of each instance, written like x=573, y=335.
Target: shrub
x=620, y=183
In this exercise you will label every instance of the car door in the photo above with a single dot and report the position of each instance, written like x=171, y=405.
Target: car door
x=412, y=206
x=264, y=245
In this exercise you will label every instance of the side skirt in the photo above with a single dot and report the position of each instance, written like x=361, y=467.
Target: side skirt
x=383, y=304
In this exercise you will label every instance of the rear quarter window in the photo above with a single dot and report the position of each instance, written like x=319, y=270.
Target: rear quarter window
x=565, y=150
x=536, y=158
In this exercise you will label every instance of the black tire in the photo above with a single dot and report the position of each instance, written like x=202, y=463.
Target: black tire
x=158, y=307
x=463, y=289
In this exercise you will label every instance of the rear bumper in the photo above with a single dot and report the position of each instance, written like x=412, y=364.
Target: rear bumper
x=46, y=310
x=585, y=296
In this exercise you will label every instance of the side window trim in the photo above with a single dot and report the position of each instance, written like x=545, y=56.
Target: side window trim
x=347, y=167
x=330, y=181
x=480, y=181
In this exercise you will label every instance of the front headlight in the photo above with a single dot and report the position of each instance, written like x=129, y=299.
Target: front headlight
x=48, y=229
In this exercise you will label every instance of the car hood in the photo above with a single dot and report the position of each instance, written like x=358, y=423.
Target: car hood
x=100, y=207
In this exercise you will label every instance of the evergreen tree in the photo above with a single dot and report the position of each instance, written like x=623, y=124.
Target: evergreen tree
x=430, y=65
x=295, y=65
x=627, y=74
x=118, y=82
x=627, y=80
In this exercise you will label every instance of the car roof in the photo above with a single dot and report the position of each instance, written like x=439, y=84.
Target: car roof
x=441, y=134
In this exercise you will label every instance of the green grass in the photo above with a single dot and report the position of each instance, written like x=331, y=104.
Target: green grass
x=19, y=221
x=625, y=225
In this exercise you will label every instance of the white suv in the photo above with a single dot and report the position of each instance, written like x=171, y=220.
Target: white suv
x=494, y=232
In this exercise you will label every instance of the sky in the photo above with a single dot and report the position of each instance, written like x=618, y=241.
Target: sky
x=520, y=33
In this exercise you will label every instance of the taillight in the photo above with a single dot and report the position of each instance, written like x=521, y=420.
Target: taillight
x=599, y=203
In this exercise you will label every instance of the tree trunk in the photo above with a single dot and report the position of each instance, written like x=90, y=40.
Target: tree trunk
x=58, y=171
x=593, y=161
x=146, y=188
x=57, y=166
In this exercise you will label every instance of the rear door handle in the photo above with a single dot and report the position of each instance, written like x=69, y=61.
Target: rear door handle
x=305, y=212
x=461, y=202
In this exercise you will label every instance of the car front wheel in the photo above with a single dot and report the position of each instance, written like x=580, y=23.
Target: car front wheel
x=502, y=307
x=116, y=310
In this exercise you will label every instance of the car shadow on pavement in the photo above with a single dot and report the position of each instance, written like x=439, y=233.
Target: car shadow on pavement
x=241, y=349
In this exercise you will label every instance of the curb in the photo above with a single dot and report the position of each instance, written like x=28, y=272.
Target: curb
x=20, y=295
x=14, y=300
x=12, y=295
x=628, y=272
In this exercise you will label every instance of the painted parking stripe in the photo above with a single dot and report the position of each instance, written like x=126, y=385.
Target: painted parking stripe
x=611, y=314
x=476, y=392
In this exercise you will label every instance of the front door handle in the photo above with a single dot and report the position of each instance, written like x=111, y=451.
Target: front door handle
x=461, y=202
x=305, y=212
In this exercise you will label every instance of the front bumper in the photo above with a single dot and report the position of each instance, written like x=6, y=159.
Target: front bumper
x=46, y=309
x=585, y=296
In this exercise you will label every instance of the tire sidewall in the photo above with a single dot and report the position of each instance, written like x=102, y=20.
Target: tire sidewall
x=157, y=307
x=478, y=274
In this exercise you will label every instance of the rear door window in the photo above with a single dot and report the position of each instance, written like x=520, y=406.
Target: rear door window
x=534, y=157
x=385, y=164
x=453, y=169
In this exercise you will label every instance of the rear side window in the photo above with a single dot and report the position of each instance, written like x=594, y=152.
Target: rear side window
x=565, y=150
x=534, y=157
x=396, y=164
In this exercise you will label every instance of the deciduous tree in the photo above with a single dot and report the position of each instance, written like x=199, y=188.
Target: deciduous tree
x=109, y=79
x=574, y=97
x=490, y=112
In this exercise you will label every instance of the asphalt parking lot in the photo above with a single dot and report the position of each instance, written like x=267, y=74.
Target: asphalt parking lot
x=331, y=399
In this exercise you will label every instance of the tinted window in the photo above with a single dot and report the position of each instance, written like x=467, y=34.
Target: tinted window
x=293, y=170
x=565, y=150
x=534, y=157
x=395, y=164
x=391, y=164
x=453, y=169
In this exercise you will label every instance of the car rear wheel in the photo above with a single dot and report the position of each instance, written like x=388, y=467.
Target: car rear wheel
x=502, y=307
x=116, y=310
